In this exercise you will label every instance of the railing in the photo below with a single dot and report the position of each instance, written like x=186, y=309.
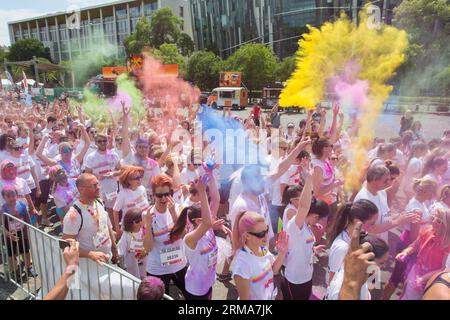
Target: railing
x=91, y=281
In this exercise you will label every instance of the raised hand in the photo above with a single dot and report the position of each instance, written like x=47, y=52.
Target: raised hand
x=282, y=242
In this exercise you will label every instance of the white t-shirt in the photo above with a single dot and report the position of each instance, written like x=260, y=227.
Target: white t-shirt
x=187, y=176
x=380, y=200
x=338, y=251
x=258, y=270
x=129, y=246
x=103, y=163
x=90, y=227
x=151, y=167
x=438, y=205
x=165, y=257
x=24, y=164
x=21, y=187
x=327, y=175
x=201, y=273
x=243, y=203
x=335, y=286
x=299, y=258
x=128, y=199
x=65, y=195
x=413, y=171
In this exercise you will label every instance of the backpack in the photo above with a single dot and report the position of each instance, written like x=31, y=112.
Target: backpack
x=81, y=215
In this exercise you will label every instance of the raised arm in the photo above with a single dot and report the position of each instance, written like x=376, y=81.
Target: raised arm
x=87, y=141
x=289, y=160
x=193, y=237
x=323, y=121
x=39, y=153
x=126, y=145
x=305, y=200
x=336, y=109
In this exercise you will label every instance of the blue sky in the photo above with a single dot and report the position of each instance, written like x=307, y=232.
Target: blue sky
x=22, y=9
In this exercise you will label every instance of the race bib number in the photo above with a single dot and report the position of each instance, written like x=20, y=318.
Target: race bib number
x=100, y=239
x=170, y=256
x=136, y=246
x=212, y=259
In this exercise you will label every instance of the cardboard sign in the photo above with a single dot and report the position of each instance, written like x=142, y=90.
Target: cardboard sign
x=230, y=79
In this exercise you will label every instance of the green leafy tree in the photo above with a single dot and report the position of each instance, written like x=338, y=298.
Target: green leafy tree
x=203, y=70
x=3, y=55
x=168, y=54
x=285, y=68
x=137, y=41
x=164, y=27
x=428, y=25
x=25, y=49
x=185, y=45
x=257, y=63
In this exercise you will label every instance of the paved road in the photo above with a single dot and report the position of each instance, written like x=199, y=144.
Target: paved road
x=386, y=126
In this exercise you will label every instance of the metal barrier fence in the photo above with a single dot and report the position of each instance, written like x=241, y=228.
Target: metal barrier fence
x=90, y=282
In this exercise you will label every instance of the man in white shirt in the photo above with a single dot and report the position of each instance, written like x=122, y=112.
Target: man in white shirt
x=104, y=164
x=88, y=223
x=378, y=179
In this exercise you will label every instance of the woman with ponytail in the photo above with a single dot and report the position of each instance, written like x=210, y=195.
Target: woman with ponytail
x=254, y=266
x=425, y=191
x=297, y=280
x=200, y=242
x=340, y=232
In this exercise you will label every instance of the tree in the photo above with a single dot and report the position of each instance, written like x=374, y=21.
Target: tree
x=135, y=42
x=203, y=70
x=285, y=68
x=185, y=44
x=168, y=54
x=25, y=49
x=428, y=25
x=3, y=55
x=164, y=27
x=257, y=64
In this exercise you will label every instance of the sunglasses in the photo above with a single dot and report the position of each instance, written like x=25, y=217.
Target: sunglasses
x=67, y=150
x=60, y=173
x=10, y=165
x=261, y=234
x=334, y=158
x=102, y=141
x=93, y=132
x=17, y=148
x=136, y=178
x=167, y=194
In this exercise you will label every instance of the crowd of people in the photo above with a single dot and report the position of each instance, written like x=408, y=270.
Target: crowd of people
x=129, y=193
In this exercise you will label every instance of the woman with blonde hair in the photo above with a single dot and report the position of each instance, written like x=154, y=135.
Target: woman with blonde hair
x=132, y=194
x=254, y=266
x=432, y=248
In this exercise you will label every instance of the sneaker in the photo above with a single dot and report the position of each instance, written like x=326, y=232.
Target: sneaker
x=224, y=277
x=30, y=272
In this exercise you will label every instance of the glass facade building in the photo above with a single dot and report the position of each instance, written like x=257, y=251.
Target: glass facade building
x=111, y=22
x=223, y=26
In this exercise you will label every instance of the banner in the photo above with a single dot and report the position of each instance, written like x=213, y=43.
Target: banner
x=230, y=79
x=49, y=92
x=170, y=69
x=113, y=72
x=134, y=63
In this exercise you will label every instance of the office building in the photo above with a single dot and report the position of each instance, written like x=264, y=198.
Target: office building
x=66, y=36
